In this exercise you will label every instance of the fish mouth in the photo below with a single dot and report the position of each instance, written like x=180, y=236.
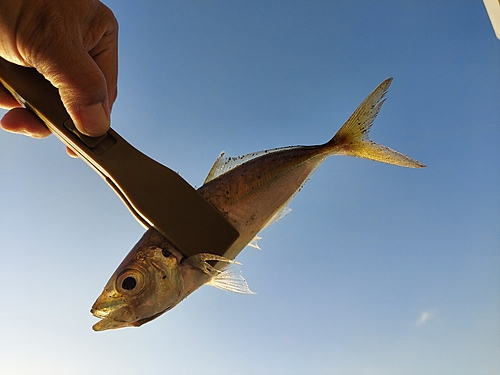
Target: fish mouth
x=101, y=314
x=112, y=318
x=107, y=322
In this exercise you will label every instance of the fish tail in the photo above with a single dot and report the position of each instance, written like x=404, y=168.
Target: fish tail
x=353, y=137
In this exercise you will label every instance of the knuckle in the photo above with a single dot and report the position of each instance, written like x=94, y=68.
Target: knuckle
x=107, y=19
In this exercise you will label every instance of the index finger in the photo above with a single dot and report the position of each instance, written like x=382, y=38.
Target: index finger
x=7, y=101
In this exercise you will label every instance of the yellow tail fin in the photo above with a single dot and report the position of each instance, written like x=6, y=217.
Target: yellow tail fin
x=352, y=139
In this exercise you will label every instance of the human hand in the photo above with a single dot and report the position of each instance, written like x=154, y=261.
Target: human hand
x=74, y=44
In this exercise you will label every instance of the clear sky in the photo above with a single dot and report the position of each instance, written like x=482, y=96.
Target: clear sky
x=377, y=269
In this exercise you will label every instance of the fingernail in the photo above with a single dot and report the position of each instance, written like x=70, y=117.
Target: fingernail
x=94, y=120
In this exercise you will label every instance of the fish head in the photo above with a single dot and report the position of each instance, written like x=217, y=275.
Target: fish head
x=145, y=285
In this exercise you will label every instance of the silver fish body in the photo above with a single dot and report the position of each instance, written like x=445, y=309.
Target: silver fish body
x=251, y=191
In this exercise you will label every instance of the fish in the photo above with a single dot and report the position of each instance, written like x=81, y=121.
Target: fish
x=252, y=191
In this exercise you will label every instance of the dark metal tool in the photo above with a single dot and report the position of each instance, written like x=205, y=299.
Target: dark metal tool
x=157, y=196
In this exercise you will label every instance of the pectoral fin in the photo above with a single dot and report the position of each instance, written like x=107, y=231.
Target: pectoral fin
x=231, y=280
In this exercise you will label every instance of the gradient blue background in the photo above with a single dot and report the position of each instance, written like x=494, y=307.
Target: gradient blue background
x=377, y=270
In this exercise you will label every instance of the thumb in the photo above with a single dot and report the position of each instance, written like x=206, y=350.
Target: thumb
x=83, y=90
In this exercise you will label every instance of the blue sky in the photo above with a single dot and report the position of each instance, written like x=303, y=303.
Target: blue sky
x=377, y=269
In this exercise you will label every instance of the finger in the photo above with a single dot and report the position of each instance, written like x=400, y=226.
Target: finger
x=87, y=77
x=22, y=121
x=81, y=80
x=83, y=90
x=7, y=101
x=105, y=51
x=71, y=153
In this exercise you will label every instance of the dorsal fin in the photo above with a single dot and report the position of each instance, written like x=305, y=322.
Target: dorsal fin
x=225, y=163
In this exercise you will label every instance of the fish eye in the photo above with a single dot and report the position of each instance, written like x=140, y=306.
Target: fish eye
x=130, y=281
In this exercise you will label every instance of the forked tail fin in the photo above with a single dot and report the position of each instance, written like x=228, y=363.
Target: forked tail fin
x=352, y=139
